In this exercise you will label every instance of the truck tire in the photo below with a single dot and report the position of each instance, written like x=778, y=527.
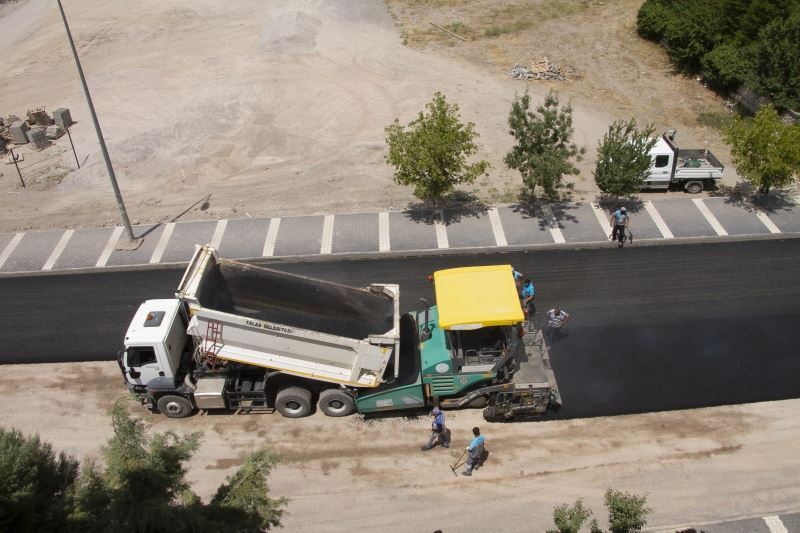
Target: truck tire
x=694, y=187
x=336, y=402
x=175, y=406
x=293, y=402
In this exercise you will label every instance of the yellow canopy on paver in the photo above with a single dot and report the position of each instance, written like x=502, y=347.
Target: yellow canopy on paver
x=477, y=297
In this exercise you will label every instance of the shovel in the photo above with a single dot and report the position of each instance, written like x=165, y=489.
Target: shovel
x=458, y=463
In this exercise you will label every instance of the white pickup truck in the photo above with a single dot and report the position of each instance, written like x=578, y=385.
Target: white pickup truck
x=692, y=169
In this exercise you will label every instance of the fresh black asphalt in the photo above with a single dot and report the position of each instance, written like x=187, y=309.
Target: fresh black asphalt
x=653, y=327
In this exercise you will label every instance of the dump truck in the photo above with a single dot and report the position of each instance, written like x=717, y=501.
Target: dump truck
x=244, y=338
x=692, y=169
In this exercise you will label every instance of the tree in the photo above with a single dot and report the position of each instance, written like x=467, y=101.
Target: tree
x=36, y=486
x=543, y=153
x=623, y=158
x=432, y=154
x=627, y=513
x=765, y=150
x=570, y=519
x=777, y=61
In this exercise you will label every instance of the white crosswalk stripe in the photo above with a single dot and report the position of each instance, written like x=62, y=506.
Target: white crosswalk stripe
x=219, y=232
x=709, y=216
x=59, y=249
x=327, y=235
x=659, y=222
x=162, y=243
x=10, y=248
x=272, y=237
x=767, y=222
x=384, y=244
x=601, y=218
x=552, y=223
x=775, y=524
x=441, y=231
x=497, y=227
x=112, y=242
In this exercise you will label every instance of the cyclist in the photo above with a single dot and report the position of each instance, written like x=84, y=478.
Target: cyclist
x=619, y=222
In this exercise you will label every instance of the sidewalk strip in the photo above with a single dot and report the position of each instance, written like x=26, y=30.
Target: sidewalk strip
x=601, y=218
x=775, y=524
x=552, y=223
x=384, y=244
x=441, y=231
x=660, y=224
x=59, y=249
x=272, y=237
x=497, y=227
x=219, y=231
x=10, y=248
x=162, y=243
x=767, y=222
x=327, y=235
x=112, y=242
x=709, y=216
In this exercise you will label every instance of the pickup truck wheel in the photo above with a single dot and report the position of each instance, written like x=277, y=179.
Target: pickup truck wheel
x=336, y=402
x=293, y=402
x=175, y=406
x=694, y=187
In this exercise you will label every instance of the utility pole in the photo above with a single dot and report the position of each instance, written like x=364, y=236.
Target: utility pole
x=125, y=221
x=14, y=159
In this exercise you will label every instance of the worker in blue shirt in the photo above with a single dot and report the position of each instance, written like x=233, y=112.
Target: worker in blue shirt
x=439, y=432
x=474, y=451
x=517, y=278
x=527, y=295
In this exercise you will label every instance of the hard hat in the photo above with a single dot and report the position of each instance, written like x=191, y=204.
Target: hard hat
x=436, y=410
x=623, y=209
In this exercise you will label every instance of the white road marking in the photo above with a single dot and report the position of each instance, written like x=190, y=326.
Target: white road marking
x=219, y=231
x=601, y=218
x=112, y=242
x=552, y=223
x=272, y=237
x=709, y=216
x=162, y=243
x=10, y=248
x=767, y=222
x=384, y=244
x=775, y=524
x=441, y=231
x=660, y=224
x=497, y=227
x=59, y=249
x=327, y=235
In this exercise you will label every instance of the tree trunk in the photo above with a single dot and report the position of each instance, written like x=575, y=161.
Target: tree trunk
x=764, y=189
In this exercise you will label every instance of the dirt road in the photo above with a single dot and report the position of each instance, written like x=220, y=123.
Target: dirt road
x=279, y=108
x=351, y=474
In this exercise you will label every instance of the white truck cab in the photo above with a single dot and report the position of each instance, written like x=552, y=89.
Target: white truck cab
x=154, y=342
x=694, y=170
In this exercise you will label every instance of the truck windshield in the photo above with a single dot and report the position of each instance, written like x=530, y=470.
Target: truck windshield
x=141, y=355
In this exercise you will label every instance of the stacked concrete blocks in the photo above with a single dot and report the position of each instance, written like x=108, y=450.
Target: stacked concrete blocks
x=38, y=137
x=62, y=118
x=19, y=132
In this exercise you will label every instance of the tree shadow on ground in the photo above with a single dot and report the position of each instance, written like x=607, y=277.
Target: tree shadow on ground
x=744, y=195
x=453, y=207
x=530, y=206
x=609, y=203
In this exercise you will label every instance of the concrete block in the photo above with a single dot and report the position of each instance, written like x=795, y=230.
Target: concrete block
x=38, y=137
x=19, y=132
x=54, y=132
x=62, y=118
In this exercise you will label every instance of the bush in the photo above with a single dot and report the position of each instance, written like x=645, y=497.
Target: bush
x=651, y=21
x=627, y=513
x=726, y=66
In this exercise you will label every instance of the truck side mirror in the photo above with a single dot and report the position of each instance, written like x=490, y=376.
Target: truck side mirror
x=134, y=373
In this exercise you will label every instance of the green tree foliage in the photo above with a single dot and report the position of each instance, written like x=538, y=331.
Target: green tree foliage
x=776, y=62
x=731, y=42
x=431, y=155
x=569, y=519
x=627, y=513
x=36, y=486
x=623, y=158
x=765, y=150
x=543, y=153
x=142, y=489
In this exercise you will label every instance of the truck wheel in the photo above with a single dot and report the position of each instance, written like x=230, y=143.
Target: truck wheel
x=336, y=402
x=694, y=187
x=293, y=402
x=175, y=406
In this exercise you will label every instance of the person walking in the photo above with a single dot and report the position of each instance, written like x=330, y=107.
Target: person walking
x=619, y=222
x=439, y=432
x=557, y=318
x=474, y=451
x=527, y=295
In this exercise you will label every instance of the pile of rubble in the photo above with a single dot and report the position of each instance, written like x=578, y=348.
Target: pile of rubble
x=543, y=69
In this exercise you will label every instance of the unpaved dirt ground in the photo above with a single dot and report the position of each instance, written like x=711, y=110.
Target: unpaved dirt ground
x=348, y=474
x=219, y=109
